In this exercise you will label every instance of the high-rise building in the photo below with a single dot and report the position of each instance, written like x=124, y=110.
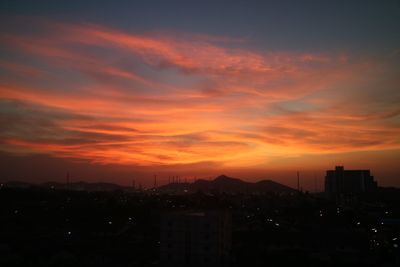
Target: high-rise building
x=191, y=238
x=341, y=181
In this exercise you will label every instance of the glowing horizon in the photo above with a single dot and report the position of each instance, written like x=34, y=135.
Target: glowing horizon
x=109, y=96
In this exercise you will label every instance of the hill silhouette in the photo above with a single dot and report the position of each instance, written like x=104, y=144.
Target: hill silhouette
x=228, y=184
x=221, y=184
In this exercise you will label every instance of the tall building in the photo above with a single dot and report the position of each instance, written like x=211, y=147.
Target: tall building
x=196, y=238
x=341, y=181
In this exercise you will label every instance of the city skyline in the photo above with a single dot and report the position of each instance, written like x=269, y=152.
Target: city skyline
x=254, y=91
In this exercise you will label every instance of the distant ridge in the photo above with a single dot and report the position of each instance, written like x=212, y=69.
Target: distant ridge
x=75, y=186
x=228, y=184
x=85, y=186
x=221, y=184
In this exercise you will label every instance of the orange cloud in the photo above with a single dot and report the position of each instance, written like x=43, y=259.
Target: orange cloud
x=112, y=97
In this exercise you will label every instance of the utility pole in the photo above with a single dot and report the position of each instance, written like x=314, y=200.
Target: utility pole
x=68, y=178
x=298, y=181
x=315, y=183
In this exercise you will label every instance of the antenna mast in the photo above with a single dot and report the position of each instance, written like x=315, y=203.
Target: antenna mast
x=298, y=181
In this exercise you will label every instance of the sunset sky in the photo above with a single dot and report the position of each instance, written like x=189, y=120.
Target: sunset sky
x=257, y=90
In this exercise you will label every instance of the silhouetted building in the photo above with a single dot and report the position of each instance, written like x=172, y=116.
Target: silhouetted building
x=196, y=238
x=340, y=181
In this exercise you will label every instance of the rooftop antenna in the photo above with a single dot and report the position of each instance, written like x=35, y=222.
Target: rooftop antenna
x=315, y=183
x=298, y=181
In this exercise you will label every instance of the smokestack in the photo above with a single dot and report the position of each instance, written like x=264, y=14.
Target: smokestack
x=67, y=177
x=315, y=183
x=155, y=181
x=298, y=181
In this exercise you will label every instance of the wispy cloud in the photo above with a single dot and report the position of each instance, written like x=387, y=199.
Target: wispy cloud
x=101, y=94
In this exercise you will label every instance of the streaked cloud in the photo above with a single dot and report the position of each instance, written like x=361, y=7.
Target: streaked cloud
x=96, y=93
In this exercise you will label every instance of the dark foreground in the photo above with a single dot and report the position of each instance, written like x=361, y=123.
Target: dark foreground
x=45, y=227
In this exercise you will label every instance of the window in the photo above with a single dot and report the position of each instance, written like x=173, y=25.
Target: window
x=207, y=236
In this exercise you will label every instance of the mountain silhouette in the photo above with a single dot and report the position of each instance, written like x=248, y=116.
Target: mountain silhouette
x=220, y=184
x=76, y=186
x=228, y=184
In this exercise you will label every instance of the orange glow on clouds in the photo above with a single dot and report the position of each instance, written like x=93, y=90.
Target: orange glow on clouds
x=113, y=97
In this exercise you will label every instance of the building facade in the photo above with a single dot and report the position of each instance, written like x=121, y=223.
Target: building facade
x=341, y=181
x=196, y=238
